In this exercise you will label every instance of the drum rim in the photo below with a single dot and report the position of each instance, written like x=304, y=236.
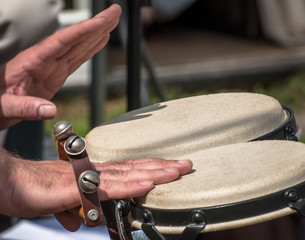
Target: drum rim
x=287, y=131
x=287, y=198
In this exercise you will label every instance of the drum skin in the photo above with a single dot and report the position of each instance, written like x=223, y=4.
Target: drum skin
x=183, y=126
x=231, y=174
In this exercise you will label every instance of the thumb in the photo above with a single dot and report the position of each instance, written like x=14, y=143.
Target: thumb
x=26, y=107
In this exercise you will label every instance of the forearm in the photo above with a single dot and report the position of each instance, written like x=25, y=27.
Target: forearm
x=34, y=188
x=7, y=169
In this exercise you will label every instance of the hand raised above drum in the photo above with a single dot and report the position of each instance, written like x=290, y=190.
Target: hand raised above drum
x=31, y=188
x=32, y=78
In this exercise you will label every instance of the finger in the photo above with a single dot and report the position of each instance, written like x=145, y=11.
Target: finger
x=89, y=42
x=25, y=107
x=118, y=190
x=87, y=48
x=184, y=166
x=113, y=9
x=78, y=50
x=158, y=176
x=68, y=221
x=61, y=42
x=76, y=64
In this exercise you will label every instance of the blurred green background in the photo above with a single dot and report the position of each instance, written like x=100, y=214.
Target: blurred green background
x=74, y=106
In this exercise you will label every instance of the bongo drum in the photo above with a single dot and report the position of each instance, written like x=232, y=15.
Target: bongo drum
x=186, y=126
x=174, y=128
x=232, y=186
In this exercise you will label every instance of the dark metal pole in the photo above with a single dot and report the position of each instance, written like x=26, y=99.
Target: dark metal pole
x=98, y=83
x=133, y=55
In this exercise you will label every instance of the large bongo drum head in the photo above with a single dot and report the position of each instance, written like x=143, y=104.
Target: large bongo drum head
x=233, y=185
x=183, y=126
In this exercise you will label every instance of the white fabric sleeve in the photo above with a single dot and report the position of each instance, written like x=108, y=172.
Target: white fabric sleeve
x=24, y=23
x=283, y=21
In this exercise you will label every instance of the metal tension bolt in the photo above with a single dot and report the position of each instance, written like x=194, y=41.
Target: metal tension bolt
x=198, y=217
x=89, y=181
x=93, y=215
x=75, y=145
x=62, y=130
x=291, y=196
x=290, y=133
x=147, y=216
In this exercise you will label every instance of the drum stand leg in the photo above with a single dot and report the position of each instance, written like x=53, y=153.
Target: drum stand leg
x=129, y=29
x=119, y=217
x=115, y=229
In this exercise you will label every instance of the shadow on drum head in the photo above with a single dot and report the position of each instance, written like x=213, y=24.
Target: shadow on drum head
x=134, y=115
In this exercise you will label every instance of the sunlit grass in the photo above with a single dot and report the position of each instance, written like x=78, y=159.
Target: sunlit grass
x=290, y=92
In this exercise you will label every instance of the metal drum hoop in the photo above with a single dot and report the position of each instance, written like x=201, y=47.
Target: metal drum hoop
x=192, y=219
x=287, y=131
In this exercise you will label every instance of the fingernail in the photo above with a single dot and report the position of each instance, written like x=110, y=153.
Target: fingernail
x=47, y=111
x=183, y=161
x=171, y=169
x=146, y=183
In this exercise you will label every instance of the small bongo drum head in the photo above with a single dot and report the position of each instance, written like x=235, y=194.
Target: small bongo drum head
x=232, y=174
x=179, y=127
